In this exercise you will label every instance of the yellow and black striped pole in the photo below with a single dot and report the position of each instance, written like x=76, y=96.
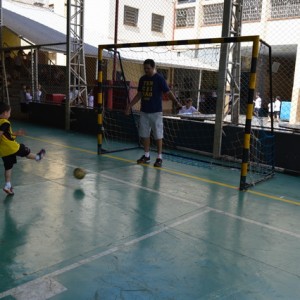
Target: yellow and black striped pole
x=249, y=114
x=100, y=100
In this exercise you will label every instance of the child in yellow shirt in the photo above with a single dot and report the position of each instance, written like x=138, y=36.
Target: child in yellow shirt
x=10, y=148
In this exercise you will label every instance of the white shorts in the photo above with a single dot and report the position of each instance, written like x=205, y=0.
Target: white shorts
x=152, y=121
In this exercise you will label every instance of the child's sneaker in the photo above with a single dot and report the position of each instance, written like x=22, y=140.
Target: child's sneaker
x=143, y=160
x=158, y=163
x=8, y=191
x=40, y=154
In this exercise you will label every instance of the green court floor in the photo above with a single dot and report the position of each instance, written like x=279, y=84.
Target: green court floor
x=128, y=231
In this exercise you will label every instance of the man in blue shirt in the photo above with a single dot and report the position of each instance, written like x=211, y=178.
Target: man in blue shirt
x=151, y=88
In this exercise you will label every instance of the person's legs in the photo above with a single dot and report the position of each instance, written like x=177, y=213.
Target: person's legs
x=25, y=152
x=7, y=176
x=37, y=156
x=158, y=162
x=158, y=132
x=8, y=162
x=146, y=157
x=159, y=147
x=144, y=132
x=8, y=188
x=146, y=144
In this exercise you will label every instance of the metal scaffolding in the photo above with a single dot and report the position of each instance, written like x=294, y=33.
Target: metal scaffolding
x=4, y=84
x=228, y=100
x=76, y=69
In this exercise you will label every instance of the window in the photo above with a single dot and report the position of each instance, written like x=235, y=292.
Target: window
x=213, y=14
x=285, y=9
x=185, y=17
x=252, y=10
x=185, y=1
x=157, y=23
x=131, y=15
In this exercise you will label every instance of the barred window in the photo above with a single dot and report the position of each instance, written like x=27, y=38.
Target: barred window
x=185, y=1
x=285, y=9
x=185, y=17
x=157, y=23
x=213, y=14
x=252, y=10
x=131, y=15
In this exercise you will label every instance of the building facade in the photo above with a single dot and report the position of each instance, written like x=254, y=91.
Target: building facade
x=276, y=22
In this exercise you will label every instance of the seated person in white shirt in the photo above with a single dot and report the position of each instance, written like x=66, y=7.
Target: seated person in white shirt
x=188, y=108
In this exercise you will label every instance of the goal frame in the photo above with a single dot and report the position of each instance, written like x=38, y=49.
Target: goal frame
x=255, y=40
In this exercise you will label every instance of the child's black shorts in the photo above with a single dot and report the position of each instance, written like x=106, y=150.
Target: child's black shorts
x=10, y=160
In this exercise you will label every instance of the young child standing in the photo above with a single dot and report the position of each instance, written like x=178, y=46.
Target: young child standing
x=10, y=148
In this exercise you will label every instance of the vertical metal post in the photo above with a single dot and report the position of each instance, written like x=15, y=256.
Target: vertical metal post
x=35, y=60
x=5, y=93
x=116, y=40
x=249, y=114
x=230, y=59
x=2, y=52
x=235, y=80
x=199, y=90
x=271, y=96
x=76, y=69
x=222, y=75
x=68, y=70
x=33, y=75
x=100, y=100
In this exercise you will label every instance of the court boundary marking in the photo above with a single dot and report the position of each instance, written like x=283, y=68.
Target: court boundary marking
x=27, y=287
x=42, y=282
x=46, y=283
x=261, y=194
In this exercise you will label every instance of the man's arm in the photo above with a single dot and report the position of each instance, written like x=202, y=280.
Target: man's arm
x=195, y=111
x=135, y=100
x=172, y=97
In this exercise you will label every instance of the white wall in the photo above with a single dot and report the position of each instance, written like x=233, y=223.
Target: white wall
x=96, y=19
x=142, y=32
x=100, y=20
x=275, y=32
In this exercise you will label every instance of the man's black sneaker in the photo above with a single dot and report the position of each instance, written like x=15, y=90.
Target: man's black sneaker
x=143, y=160
x=158, y=163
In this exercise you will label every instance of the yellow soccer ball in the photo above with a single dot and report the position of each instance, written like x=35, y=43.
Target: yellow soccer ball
x=79, y=173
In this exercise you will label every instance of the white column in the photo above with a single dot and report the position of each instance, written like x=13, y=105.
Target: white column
x=295, y=105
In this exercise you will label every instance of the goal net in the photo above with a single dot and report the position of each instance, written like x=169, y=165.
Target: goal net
x=227, y=81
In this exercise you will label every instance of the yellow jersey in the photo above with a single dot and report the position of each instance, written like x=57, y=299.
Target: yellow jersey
x=8, y=144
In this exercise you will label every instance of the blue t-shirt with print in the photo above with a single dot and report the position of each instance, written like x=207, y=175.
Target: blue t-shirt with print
x=152, y=89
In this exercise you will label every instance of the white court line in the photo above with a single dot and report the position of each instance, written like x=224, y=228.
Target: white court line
x=41, y=282
x=138, y=186
x=152, y=190
x=209, y=208
x=22, y=291
x=254, y=222
x=201, y=205
x=39, y=288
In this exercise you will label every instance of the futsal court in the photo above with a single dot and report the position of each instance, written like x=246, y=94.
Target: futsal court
x=129, y=231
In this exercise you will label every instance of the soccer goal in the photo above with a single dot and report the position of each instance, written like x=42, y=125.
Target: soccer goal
x=222, y=130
